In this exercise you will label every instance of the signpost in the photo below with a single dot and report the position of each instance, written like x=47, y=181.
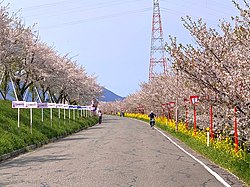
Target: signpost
x=82, y=108
x=18, y=105
x=79, y=109
x=85, y=108
x=42, y=106
x=30, y=105
x=194, y=101
x=72, y=107
x=51, y=106
x=74, y=111
x=171, y=105
x=59, y=106
x=24, y=104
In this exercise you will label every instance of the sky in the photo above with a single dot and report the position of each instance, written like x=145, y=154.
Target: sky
x=112, y=38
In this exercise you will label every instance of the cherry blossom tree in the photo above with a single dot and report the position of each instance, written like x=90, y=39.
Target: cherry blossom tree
x=216, y=68
x=36, y=68
x=218, y=64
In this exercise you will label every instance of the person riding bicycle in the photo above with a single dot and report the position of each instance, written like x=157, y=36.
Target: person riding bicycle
x=152, y=118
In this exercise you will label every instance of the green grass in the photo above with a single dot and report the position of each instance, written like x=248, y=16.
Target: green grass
x=13, y=138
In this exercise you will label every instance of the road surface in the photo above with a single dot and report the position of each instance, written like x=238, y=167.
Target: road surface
x=120, y=152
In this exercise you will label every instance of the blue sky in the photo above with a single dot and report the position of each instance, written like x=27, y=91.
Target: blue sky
x=111, y=38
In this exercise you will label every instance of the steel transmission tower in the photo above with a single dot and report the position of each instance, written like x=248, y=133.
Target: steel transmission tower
x=158, y=65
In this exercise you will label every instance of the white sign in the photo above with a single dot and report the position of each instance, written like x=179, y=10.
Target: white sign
x=194, y=99
x=84, y=107
x=51, y=105
x=30, y=104
x=72, y=107
x=65, y=106
x=59, y=105
x=18, y=104
x=42, y=105
x=172, y=104
x=46, y=105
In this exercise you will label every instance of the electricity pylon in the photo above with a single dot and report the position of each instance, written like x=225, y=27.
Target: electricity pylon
x=158, y=65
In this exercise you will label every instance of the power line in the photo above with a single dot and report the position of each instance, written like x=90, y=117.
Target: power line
x=74, y=8
x=42, y=6
x=207, y=12
x=204, y=6
x=111, y=16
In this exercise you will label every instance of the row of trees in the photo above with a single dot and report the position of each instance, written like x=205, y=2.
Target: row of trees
x=216, y=68
x=29, y=65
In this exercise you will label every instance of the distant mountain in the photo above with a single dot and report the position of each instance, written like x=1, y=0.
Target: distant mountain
x=109, y=96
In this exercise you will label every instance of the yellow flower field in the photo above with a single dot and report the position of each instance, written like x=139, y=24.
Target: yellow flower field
x=224, y=145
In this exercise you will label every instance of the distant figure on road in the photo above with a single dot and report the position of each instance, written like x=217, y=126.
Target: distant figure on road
x=121, y=114
x=100, y=116
x=152, y=119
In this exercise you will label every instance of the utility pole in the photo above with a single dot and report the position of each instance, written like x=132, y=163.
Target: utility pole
x=158, y=63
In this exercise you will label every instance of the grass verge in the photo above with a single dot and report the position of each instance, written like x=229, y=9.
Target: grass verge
x=13, y=138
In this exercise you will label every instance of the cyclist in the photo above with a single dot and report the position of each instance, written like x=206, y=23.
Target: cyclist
x=152, y=119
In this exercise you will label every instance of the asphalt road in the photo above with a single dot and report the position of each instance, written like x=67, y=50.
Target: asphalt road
x=120, y=152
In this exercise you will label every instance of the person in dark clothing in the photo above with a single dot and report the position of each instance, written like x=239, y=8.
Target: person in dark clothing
x=152, y=118
x=100, y=116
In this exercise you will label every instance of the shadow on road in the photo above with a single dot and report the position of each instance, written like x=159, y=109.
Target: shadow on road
x=109, y=119
x=97, y=126
x=34, y=160
x=72, y=139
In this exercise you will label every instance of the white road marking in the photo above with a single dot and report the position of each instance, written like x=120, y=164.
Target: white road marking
x=216, y=175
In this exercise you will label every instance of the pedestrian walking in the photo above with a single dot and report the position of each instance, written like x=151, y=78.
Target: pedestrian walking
x=100, y=116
